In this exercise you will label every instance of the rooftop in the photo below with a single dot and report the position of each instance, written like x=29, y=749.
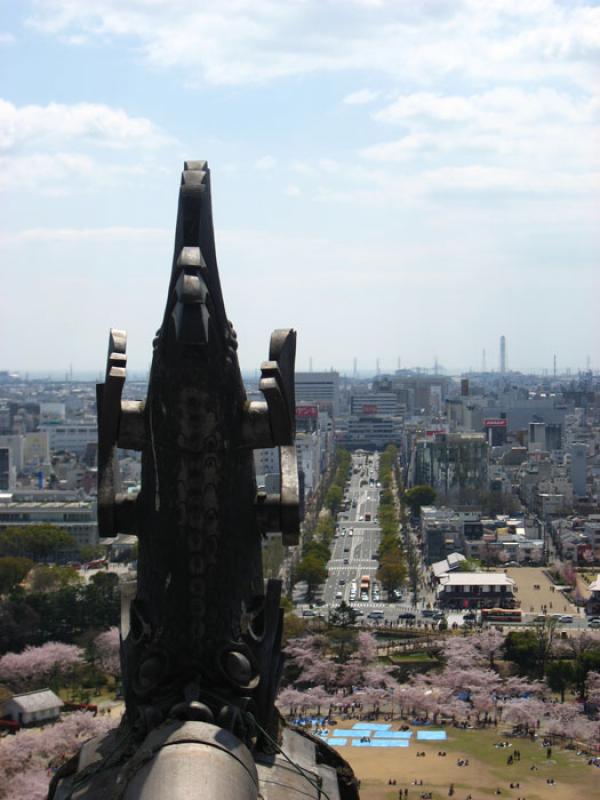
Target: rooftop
x=477, y=579
x=40, y=700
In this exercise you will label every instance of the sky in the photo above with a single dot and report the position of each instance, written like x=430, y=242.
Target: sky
x=403, y=180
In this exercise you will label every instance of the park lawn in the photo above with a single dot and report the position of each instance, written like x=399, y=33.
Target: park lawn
x=107, y=693
x=575, y=780
x=402, y=658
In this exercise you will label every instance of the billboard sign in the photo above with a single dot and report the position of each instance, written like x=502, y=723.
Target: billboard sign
x=369, y=408
x=495, y=423
x=307, y=411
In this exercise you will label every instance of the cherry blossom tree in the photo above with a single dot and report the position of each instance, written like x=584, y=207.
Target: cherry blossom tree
x=566, y=720
x=592, y=688
x=524, y=712
x=26, y=756
x=477, y=649
x=317, y=696
x=107, y=646
x=290, y=698
x=37, y=665
x=303, y=650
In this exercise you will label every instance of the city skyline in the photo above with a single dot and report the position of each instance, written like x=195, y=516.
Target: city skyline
x=392, y=180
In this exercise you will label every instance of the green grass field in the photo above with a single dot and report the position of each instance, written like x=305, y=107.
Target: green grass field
x=487, y=770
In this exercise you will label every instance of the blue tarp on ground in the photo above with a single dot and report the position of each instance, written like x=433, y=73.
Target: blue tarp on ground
x=342, y=732
x=370, y=726
x=337, y=741
x=393, y=734
x=431, y=736
x=382, y=743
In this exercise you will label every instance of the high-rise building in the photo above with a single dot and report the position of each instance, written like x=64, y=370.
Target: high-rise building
x=322, y=388
x=452, y=463
x=579, y=469
x=5, y=469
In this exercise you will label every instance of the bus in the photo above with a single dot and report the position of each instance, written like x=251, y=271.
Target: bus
x=501, y=616
x=365, y=585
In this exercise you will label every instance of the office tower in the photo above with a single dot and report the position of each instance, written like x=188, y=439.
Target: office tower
x=579, y=469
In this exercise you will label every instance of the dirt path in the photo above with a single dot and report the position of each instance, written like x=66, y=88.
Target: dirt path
x=532, y=600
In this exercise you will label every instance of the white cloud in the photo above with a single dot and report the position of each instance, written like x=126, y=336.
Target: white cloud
x=524, y=139
x=265, y=163
x=492, y=109
x=99, y=235
x=361, y=97
x=59, y=173
x=292, y=190
x=88, y=123
x=7, y=38
x=252, y=41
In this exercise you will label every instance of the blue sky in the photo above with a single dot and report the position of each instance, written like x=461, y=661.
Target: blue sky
x=393, y=179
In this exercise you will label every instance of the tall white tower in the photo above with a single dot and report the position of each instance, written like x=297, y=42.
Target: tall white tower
x=502, y=355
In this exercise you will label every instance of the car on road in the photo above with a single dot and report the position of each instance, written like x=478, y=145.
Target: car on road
x=438, y=615
x=539, y=620
x=594, y=622
x=408, y=615
x=375, y=615
x=565, y=618
x=339, y=596
x=427, y=612
x=346, y=561
x=309, y=613
x=342, y=582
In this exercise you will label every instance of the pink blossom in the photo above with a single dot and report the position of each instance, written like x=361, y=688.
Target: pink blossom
x=524, y=711
x=290, y=698
x=108, y=651
x=24, y=757
x=592, y=687
x=35, y=665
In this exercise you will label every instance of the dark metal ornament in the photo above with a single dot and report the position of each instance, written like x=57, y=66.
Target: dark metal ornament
x=202, y=636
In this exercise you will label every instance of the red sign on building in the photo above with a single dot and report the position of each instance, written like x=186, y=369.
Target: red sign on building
x=307, y=411
x=495, y=423
x=369, y=408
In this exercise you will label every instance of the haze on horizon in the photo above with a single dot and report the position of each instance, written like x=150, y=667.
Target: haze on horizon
x=393, y=180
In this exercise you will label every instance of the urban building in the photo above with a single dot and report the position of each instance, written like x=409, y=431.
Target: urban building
x=71, y=511
x=370, y=432
x=322, y=388
x=476, y=590
x=592, y=606
x=7, y=471
x=579, y=455
x=452, y=463
x=70, y=436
